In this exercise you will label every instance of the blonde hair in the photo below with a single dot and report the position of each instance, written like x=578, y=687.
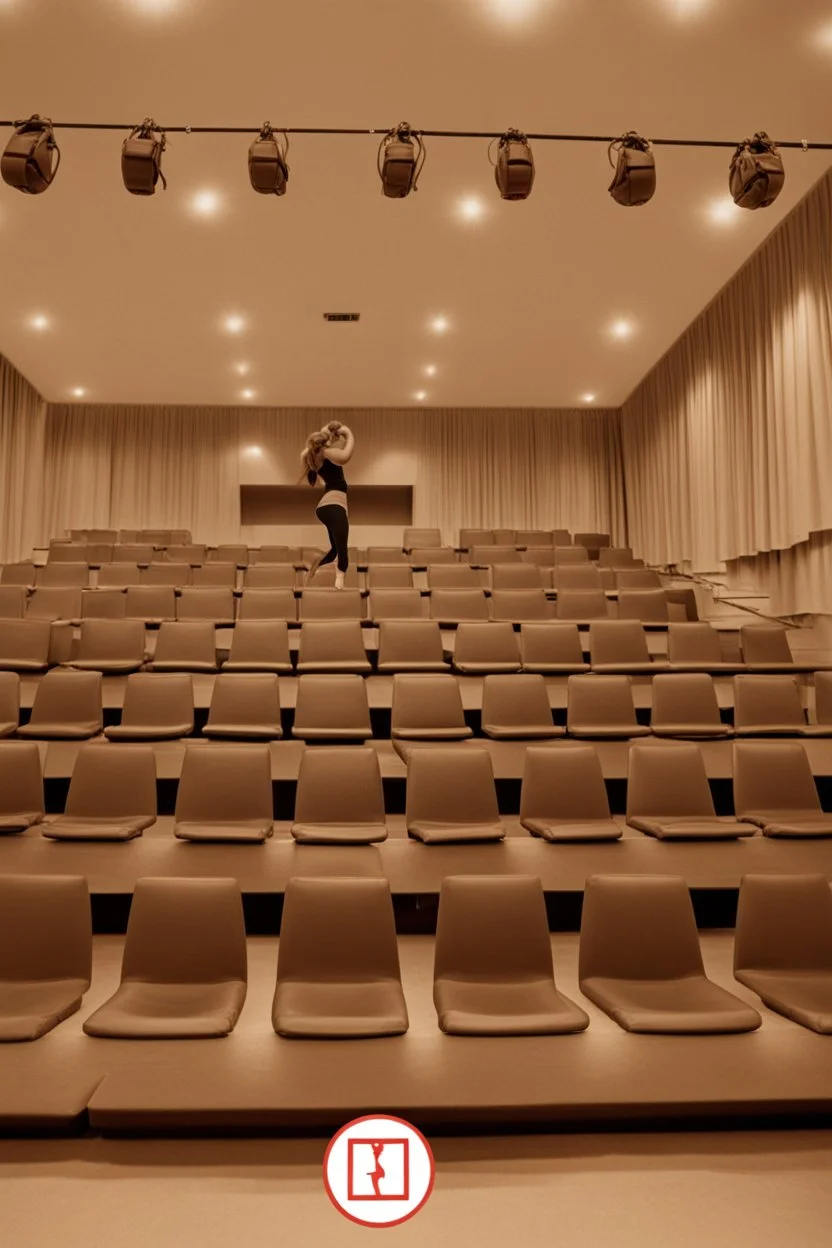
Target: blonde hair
x=312, y=454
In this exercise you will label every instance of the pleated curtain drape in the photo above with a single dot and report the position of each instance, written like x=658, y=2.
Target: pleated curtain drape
x=22, y=428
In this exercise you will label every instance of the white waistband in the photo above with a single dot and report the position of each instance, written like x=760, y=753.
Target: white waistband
x=334, y=498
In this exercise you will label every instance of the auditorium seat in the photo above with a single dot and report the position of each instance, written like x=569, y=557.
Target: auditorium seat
x=103, y=604
x=561, y=537
x=412, y=537
x=669, y=797
x=172, y=575
x=245, y=707
x=24, y=645
x=493, y=973
x=387, y=554
x=268, y=604
x=332, y=708
x=410, y=646
x=601, y=706
x=426, y=708
x=533, y=537
x=481, y=648
x=185, y=646
x=640, y=960
x=183, y=974
x=45, y=952
x=152, y=604
x=133, y=552
x=112, y=795
x=615, y=556
x=12, y=602
x=428, y=556
x=214, y=605
x=783, y=946
x=324, y=577
x=9, y=703
x=452, y=606
x=270, y=576
x=576, y=576
x=113, y=647
x=517, y=707
x=259, y=646
x=332, y=604
x=695, y=647
x=332, y=646
x=765, y=648
x=637, y=578
x=67, y=706
x=618, y=646
x=685, y=705
x=21, y=786
x=475, y=537
x=193, y=553
x=453, y=576
x=18, y=574
x=487, y=556
x=823, y=698
x=62, y=576
x=338, y=973
x=770, y=706
x=99, y=553
x=543, y=556
x=774, y=788
x=582, y=604
x=570, y=554
x=230, y=553
x=158, y=706
x=451, y=796
x=648, y=605
x=389, y=576
x=564, y=797
x=214, y=576
x=521, y=606
x=396, y=604
x=339, y=798
x=504, y=537
x=552, y=649
x=516, y=576
x=225, y=794
x=593, y=543
x=275, y=554
x=62, y=551
x=55, y=604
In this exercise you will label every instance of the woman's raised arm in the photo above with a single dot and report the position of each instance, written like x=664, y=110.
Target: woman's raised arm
x=342, y=454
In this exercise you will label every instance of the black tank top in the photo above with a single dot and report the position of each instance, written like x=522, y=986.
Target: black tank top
x=332, y=476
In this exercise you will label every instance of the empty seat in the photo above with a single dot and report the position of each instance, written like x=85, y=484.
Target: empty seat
x=214, y=576
x=592, y=542
x=67, y=552
x=389, y=576
x=332, y=646
x=55, y=604
x=268, y=604
x=24, y=645
x=451, y=796
x=333, y=604
x=765, y=648
x=103, y=604
x=183, y=975
x=774, y=788
x=520, y=606
x=231, y=553
x=338, y=971
x=133, y=552
x=193, y=553
x=324, y=577
x=332, y=708
x=245, y=706
x=621, y=646
x=577, y=576
x=396, y=604
x=770, y=706
x=428, y=556
x=543, y=556
x=823, y=697
x=21, y=787
x=487, y=556
x=616, y=556
x=504, y=537
x=451, y=606
x=259, y=646
x=339, y=798
x=410, y=646
x=387, y=554
x=475, y=537
x=216, y=605
x=175, y=575
x=640, y=960
x=453, y=576
x=426, y=708
x=112, y=795
x=552, y=649
x=564, y=797
x=685, y=705
x=601, y=706
x=18, y=574
x=483, y=648
x=185, y=647
x=67, y=705
x=62, y=576
x=99, y=553
x=783, y=945
x=158, y=706
x=111, y=646
x=695, y=647
x=45, y=952
x=517, y=707
x=648, y=605
x=637, y=578
x=421, y=537
x=12, y=602
x=152, y=604
x=274, y=554
x=570, y=554
x=582, y=604
x=225, y=794
x=9, y=703
x=270, y=576
x=533, y=537
x=668, y=796
x=493, y=973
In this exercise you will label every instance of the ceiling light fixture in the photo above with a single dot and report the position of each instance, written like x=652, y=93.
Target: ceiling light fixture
x=470, y=208
x=78, y=392
x=420, y=396
x=254, y=452
x=621, y=329
x=430, y=370
x=588, y=398
x=205, y=203
x=439, y=324
x=514, y=166
x=39, y=322
x=246, y=394
x=243, y=368
x=724, y=211
x=268, y=171
x=234, y=324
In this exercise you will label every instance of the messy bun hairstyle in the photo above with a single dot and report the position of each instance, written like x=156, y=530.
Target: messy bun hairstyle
x=312, y=454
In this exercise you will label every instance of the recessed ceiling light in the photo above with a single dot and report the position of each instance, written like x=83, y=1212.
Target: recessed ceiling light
x=621, y=328
x=234, y=324
x=420, y=396
x=39, y=322
x=823, y=37
x=439, y=324
x=78, y=392
x=687, y=8
x=243, y=368
x=254, y=452
x=470, y=208
x=430, y=370
x=513, y=12
x=588, y=398
x=246, y=394
x=724, y=211
x=205, y=203
x=156, y=8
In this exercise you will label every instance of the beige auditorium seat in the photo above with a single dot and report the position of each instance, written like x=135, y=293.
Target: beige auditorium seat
x=158, y=706
x=389, y=576
x=412, y=537
x=112, y=795
x=640, y=960
x=234, y=553
x=616, y=556
x=45, y=952
x=695, y=647
x=552, y=649
x=521, y=606
x=543, y=556
x=99, y=553
x=24, y=645
x=621, y=646
x=9, y=703
x=504, y=537
x=453, y=576
x=225, y=794
x=430, y=556
x=172, y=575
x=533, y=537
x=410, y=646
x=324, y=577
x=214, y=575
x=332, y=646
x=215, y=605
x=481, y=648
x=387, y=554
x=426, y=708
x=113, y=647
x=338, y=971
x=517, y=707
x=451, y=796
x=62, y=576
x=152, y=604
x=63, y=551
x=582, y=604
x=669, y=797
x=67, y=706
x=637, y=578
x=452, y=606
x=774, y=788
x=12, y=602
x=332, y=708
x=275, y=554
x=259, y=646
x=103, y=604
x=245, y=706
x=823, y=698
x=493, y=973
x=133, y=552
x=184, y=974
x=193, y=553
x=648, y=605
x=577, y=576
x=570, y=554
x=783, y=946
x=185, y=647
x=18, y=574
x=469, y=538
x=593, y=543
x=396, y=604
x=770, y=706
x=332, y=604
x=765, y=648
x=601, y=706
x=339, y=798
x=486, y=556
x=268, y=604
x=270, y=576
x=55, y=604
x=516, y=576
x=685, y=705
x=564, y=797
x=21, y=786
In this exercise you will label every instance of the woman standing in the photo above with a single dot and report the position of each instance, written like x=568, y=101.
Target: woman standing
x=323, y=458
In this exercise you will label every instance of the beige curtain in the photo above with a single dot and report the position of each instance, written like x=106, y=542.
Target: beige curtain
x=22, y=422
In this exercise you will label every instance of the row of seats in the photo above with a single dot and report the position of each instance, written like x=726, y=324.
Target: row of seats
x=184, y=970
x=158, y=537
x=411, y=536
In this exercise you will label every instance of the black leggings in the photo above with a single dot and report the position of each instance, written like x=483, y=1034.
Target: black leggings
x=338, y=529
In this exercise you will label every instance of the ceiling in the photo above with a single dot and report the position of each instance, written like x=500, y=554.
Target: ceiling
x=136, y=290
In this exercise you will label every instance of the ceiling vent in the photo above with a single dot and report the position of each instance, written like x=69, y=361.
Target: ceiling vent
x=341, y=316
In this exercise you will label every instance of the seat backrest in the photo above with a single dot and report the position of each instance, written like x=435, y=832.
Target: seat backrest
x=592, y=541
x=582, y=604
x=52, y=603
x=74, y=553
x=693, y=643
x=273, y=554
x=504, y=537
x=563, y=783
x=648, y=605
x=533, y=537
x=550, y=643
x=12, y=602
x=452, y=576
x=421, y=537
x=25, y=640
x=386, y=554
x=451, y=784
x=772, y=776
x=113, y=782
x=63, y=576
x=543, y=556
x=426, y=700
x=516, y=576
x=21, y=781
x=571, y=576
x=492, y=926
x=488, y=555
x=205, y=604
x=332, y=604
x=178, y=641
x=245, y=698
x=9, y=697
x=684, y=698
x=414, y=641
x=823, y=697
x=340, y=929
x=637, y=927
x=260, y=641
x=324, y=577
x=270, y=576
x=323, y=641
x=475, y=537
x=17, y=574
x=150, y=602
x=396, y=604
x=153, y=699
x=618, y=641
x=520, y=700
x=784, y=923
x=601, y=700
x=571, y=554
x=268, y=604
x=486, y=643
x=174, y=574
x=332, y=702
x=767, y=700
x=103, y=604
x=215, y=575
x=668, y=780
x=454, y=605
x=111, y=639
x=339, y=784
x=389, y=576
x=427, y=556
x=184, y=931
x=187, y=552
x=637, y=578
x=225, y=783
x=67, y=697
x=615, y=556
x=765, y=643
x=132, y=552
x=45, y=928
x=231, y=553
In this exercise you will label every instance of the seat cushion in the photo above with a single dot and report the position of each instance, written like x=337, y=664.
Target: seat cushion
x=333, y=734
x=805, y=824
x=339, y=1010
x=22, y=665
x=8, y=727
x=484, y=669
x=694, y=827
x=769, y=730
x=527, y=732
x=574, y=829
x=339, y=833
x=148, y=732
x=557, y=669
x=29, y=1010
x=432, y=734
x=689, y=1006
x=803, y=996
x=407, y=666
x=73, y=828
x=244, y=732
x=635, y=669
x=19, y=821
x=254, y=830
x=525, y=1008
x=608, y=731
x=242, y=666
x=181, y=665
x=693, y=731
x=66, y=732
x=434, y=833
x=358, y=666
x=111, y=667
x=146, y=1011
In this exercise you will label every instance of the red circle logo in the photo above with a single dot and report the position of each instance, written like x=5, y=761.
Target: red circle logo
x=378, y=1170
